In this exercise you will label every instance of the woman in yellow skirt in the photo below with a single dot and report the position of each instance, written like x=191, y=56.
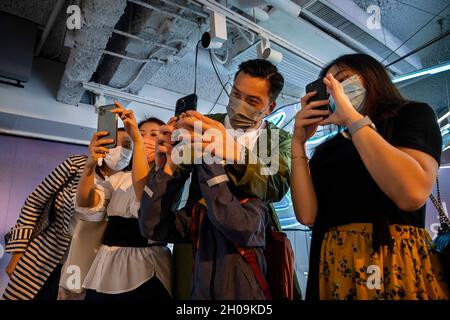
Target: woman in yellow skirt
x=364, y=190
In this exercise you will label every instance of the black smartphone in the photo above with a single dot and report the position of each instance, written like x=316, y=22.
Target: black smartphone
x=186, y=103
x=321, y=94
x=107, y=121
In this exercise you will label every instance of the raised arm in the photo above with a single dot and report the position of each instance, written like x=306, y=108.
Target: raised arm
x=158, y=217
x=86, y=195
x=304, y=198
x=140, y=168
x=405, y=170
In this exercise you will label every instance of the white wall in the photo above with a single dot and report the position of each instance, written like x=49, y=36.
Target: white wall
x=37, y=101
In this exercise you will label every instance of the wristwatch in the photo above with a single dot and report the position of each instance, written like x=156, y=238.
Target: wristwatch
x=355, y=126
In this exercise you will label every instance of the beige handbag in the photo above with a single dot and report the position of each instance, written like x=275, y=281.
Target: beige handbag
x=86, y=240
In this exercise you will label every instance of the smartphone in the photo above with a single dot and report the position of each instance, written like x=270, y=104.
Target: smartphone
x=186, y=103
x=321, y=94
x=107, y=121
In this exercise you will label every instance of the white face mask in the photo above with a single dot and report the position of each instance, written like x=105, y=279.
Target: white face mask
x=118, y=158
x=354, y=90
x=244, y=116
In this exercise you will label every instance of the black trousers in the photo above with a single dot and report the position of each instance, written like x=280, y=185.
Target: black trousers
x=153, y=289
x=49, y=290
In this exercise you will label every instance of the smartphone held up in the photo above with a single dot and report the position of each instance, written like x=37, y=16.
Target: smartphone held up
x=321, y=93
x=107, y=121
x=186, y=103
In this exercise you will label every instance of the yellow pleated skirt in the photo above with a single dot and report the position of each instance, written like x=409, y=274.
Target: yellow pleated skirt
x=349, y=269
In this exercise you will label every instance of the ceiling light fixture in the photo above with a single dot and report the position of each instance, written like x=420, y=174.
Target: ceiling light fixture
x=419, y=73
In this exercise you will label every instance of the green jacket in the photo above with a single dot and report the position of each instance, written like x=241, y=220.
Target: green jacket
x=249, y=180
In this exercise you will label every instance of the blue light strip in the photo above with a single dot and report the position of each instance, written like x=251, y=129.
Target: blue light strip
x=419, y=73
x=291, y=225
x=276, y=118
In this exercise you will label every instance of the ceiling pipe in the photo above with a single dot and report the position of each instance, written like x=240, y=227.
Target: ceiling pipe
x=132, y=36
x=181, y=7
x=108, y=91
x=287, y=6
x=258, y=14
x=150, y=59
x=162, y=11
x=121, y=56
x=251, y=26
x=49, y=25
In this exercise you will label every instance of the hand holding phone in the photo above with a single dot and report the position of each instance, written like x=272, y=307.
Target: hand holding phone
x=107, y=121
x=186, y=103
x=321, y=93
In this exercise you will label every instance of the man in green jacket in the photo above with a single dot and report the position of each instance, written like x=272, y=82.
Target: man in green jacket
x=256, y=87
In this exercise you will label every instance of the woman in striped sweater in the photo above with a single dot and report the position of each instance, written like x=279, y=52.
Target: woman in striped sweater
x=36, y=260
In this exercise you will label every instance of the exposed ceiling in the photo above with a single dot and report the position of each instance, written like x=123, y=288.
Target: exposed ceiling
x=405, y=17
x=39, y=11
x=134, y=45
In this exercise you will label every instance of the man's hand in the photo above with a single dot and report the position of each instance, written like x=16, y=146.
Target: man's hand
x=212, y=137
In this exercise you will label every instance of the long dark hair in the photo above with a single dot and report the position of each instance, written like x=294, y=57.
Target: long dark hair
x=383, y=100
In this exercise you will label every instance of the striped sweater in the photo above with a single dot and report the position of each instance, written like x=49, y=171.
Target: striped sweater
x=43, y=253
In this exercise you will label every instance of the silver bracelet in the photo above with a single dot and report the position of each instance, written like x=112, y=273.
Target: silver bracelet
x=355, y=126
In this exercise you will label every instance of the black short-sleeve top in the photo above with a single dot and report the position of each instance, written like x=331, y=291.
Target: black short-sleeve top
x=346, y=193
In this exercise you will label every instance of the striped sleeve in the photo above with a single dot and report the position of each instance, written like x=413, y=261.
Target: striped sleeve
x=20, y=235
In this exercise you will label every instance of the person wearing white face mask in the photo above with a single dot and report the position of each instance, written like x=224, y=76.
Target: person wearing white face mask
x=118, y=158
x=127, y=266
x=364, y=190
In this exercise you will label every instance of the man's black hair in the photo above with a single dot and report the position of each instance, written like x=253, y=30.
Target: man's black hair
x=264, y=69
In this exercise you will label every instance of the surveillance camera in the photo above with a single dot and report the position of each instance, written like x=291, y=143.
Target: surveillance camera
x=210, y=42
x=272, y=55
x=215, y=38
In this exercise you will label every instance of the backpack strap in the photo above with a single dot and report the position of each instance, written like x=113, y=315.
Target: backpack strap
x=249, y=256
x=198, y=212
